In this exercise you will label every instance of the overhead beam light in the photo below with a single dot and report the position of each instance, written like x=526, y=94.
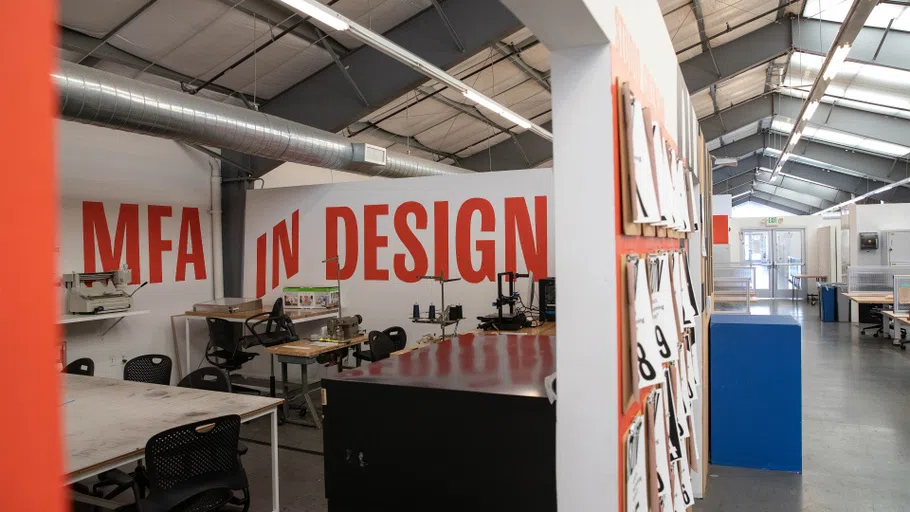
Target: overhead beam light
x=319, y=13
x=864, y=196
x=328, y=16
x=840, y=47
x=741, y=194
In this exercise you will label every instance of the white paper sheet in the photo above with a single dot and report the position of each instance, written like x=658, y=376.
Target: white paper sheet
x=660, y=443
x=685, y=478
x=666, y=328
x=677, y=492
x=673, y=439
x=696, y=368
x=690, y=376
x=683, y=369
x=682, y=203
x=648, y=353
x=663, y=178
x=682, y=411
x=693, y=302
x=636, y=468
x=646, y=208
x=693, y=202
x=679, y=289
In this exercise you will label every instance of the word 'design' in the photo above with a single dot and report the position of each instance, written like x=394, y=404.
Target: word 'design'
x=97, y=241
x=362, y=242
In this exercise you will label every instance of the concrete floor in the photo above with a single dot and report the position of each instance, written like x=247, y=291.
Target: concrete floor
x=856, y=429
x=856, y=436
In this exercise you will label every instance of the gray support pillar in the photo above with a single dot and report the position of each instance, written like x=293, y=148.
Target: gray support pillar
x=233, y=217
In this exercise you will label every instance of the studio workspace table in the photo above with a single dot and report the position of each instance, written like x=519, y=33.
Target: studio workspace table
x=898, y=318
x=297, y=316
x=109, y=421
x=798, y=282
x=305, y=352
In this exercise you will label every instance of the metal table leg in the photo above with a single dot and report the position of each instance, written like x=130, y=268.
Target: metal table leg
x=273, y=417
x=272, y=375
x=284, y=387
x=310, y=407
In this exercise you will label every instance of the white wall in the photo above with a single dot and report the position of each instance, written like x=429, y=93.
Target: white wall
x=877, y=218
x=115, y=167
x=291, y=174
x=809, y=223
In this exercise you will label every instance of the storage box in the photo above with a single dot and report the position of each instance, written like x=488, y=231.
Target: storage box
x=311, y=297
x=228, y=305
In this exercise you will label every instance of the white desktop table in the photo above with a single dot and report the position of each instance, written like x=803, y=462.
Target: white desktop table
x=109, y=421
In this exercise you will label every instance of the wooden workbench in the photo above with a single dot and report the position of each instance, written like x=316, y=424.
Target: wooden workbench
x=296, y=315
x=307, y=348
x=108, y=421
x=870, y=298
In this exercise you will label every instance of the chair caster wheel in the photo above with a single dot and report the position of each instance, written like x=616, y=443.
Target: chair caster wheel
x=875, y=335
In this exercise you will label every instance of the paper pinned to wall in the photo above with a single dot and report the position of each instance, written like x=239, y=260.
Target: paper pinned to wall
x=677, y=491
x=648, y=352
x=663, y=178
x=681, y=411
x=673, y=437
x=636, y=483
x=685, y=479
x=658, y=424
x=647, y=209
x=680, y=290
x=682, y=203
x=666, y=328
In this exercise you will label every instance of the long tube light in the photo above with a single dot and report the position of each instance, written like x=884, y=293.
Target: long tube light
x=853, y=22
x=741, y=194
x=380, y=43
x=864, y=196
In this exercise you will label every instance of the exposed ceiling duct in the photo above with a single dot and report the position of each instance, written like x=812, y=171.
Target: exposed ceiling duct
x=96, y=97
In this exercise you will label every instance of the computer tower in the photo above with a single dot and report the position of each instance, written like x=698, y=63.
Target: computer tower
x=547, y=299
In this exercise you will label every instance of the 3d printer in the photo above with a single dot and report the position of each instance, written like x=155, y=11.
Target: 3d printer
x=104, y=295
x=510, y=321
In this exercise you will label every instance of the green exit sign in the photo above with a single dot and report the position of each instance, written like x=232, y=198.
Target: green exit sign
x=774, y=221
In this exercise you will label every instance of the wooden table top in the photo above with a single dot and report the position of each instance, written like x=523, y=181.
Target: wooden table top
x=897, y=316
x=307, y=348
x=870, y=298
x=110, y=420
x=294, y=314
x=809, y=276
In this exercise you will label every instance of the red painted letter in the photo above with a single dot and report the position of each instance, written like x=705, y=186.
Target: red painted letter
x=192, y=233
x=290, y=249
x=94, y=227
x=260, y=265
x=372, y=242
x=332, y=214
x=156, y=244
x=487, y=248
x=519, y=220
x=410, y=241
x=441, y=237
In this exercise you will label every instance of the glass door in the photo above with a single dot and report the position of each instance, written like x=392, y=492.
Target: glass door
x=757, y=252
x=788, y=260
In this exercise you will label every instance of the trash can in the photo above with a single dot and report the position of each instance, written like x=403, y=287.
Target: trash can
x=843, y=303
x=828, y=298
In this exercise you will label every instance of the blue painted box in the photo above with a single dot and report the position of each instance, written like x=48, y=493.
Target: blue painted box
x=756, y=392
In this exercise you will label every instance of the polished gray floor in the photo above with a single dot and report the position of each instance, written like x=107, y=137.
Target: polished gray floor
x=856, y=429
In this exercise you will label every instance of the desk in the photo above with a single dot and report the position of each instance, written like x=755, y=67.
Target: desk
x=108, y=421
x=871, y=297
x=305, y=352
x=544, y=329
x=297, y=316
x=898, y=318
x=797, y=281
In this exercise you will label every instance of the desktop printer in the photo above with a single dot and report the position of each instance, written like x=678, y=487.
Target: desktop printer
x=104, y=295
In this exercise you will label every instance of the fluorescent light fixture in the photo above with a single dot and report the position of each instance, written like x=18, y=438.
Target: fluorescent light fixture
x=864, y=196
x=492, y=106
x=795, y=138
x=741, y=194
x=783, y=160
x=810, y=111
x=777, y=170
x=317, y=12
x=837, y=61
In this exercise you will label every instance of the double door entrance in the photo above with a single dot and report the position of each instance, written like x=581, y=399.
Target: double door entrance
x=776, y=254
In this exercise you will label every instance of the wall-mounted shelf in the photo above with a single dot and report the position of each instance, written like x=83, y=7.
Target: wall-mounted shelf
x=116, y=316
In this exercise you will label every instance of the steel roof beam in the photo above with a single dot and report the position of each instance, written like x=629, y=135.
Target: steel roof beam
x=514, y=56
x=790, y=206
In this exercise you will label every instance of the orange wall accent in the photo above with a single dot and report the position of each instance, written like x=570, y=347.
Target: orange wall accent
x=721, y=229
x=31, y=452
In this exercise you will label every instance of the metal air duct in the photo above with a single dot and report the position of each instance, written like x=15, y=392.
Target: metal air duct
x=100, y=98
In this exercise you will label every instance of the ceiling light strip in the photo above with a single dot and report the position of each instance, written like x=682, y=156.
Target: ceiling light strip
x=864, y=196
x=840, y=48
x=339, y=22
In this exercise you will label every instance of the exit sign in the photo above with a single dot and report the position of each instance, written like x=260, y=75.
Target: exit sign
x=773, y=221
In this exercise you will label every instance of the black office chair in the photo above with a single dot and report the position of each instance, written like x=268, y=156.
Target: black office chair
x=150, y=369
x=381, y=347
x=279, y=328
x=399, y=337
x=210, y=378
x=876, y=314
x=83, y=366
x=225, y=350
x=194, y=468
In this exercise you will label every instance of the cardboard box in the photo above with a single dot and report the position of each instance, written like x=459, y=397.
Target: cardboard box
x=311, y=297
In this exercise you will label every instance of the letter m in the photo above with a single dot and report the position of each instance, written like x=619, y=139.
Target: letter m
x=96, y=238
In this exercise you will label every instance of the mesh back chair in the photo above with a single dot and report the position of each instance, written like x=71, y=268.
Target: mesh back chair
x=224, y=350
x=83, y=366
x=195, y=468
x=150, y=369
x=381, y=347
x=399, y=337
x=279, y=328
x=211, y=379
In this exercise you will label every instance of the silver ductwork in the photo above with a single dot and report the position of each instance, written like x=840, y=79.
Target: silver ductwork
x=104, y=99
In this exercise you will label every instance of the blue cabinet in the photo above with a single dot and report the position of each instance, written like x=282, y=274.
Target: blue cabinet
x=756, y=392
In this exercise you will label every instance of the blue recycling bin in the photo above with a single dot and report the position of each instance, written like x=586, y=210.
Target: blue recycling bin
x=756, y=392
x=828, y=297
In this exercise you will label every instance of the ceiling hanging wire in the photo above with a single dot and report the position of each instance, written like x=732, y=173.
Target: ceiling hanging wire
x=255, y=62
